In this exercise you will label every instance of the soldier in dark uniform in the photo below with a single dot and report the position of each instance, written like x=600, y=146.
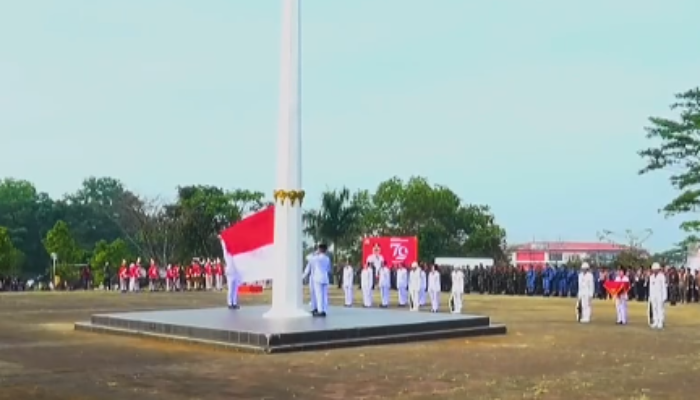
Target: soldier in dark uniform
x=107, y=277
x=511, y=280
x=673, y=286
x=490, y=279
x=683, y=286
x=688, y=284
x=445, y=277
x=521, y=287
x=467, y=279
x=480, y=280
x=637, y=282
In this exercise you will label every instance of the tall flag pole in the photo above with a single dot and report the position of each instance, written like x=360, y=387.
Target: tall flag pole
x=287, y=289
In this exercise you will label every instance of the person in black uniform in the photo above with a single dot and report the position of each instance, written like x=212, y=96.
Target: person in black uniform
x=673, y=286
x=107, y=277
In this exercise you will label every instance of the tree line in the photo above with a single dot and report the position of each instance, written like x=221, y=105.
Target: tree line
x=104, y=222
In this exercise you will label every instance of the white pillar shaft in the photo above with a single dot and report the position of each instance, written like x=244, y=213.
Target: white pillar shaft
x=287, y=289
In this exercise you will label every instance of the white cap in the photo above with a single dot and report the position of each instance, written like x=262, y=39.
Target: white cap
x=415, y=264
x=655, y=266
x=585, y=266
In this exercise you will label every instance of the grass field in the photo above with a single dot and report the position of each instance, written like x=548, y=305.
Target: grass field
x=545, y=355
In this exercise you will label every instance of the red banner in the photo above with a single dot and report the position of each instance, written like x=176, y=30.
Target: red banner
x=394, y=250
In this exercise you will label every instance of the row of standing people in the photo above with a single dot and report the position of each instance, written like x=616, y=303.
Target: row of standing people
x=550, y=281
x=131, y=277
x=415, y=287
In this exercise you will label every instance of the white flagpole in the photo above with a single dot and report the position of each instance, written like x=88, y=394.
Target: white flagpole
x=287, y=288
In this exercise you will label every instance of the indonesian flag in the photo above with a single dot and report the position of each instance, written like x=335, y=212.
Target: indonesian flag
x=615, y=288
x=248, y=246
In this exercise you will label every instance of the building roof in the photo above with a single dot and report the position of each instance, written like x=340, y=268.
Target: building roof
x=569, y=246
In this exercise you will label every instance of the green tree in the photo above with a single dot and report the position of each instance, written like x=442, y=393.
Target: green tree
x=97, y=211
x=677, y=149
x=336, y=221
x=10, y=257
x=59, y=240
x=444, y=225
x=27, y=215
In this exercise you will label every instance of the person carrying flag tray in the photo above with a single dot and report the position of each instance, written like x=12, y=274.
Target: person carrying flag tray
x=618, y=289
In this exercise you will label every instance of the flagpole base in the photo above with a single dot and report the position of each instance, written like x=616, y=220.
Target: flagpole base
x=286, y=313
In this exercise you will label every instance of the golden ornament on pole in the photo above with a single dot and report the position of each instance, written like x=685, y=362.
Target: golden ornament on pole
x=280, y=196
x=296, y=197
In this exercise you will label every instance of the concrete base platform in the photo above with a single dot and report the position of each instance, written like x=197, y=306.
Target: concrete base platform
x=246, y=329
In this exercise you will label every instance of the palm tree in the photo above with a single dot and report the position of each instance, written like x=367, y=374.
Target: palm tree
x=336, y=221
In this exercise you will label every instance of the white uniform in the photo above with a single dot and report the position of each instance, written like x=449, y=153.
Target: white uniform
x=621, y=302
x=219, y=280
x=348, y=277
x=376, y=260
x=586, y=290
x=233, y=279
x=658, y=293
x=457, y=289
x=384, y=285
x=434, y=290
x=320, y=270
x=366, y=278
x=415, y=284
x=402, y=285
x=423, y=287
x=307, y=275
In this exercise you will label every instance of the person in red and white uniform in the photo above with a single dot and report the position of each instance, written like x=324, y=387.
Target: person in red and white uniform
x=208, y=275
x=123, y=277
x=134, y=275
x=219, y=274
x=153, y=276
x=177, y=281
x=197, y=275
x=169, y=278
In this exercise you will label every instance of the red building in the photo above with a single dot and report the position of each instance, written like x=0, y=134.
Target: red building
x=562, y=252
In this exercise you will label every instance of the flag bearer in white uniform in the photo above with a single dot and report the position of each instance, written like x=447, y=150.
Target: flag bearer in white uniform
x=366, y=279
x=384, y=285
x=658, y=294
x=402, y=285
x=586, y=290
x=414, y=286
x=434, y=289
x=348, y=278
x=307, y=275
x=457, y=289
x=320, y=272
x=621, y=298
x=233, y=279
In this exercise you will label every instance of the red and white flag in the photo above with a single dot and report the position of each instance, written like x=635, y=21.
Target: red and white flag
x=248, y=245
